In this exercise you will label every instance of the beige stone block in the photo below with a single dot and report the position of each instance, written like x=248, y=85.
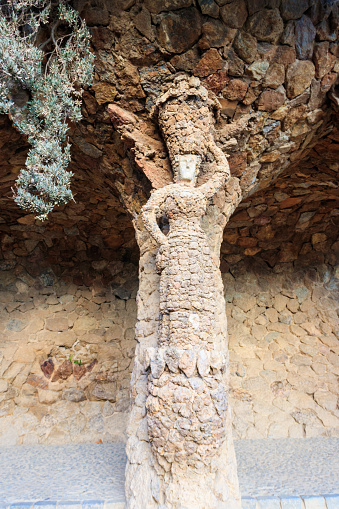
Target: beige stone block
x=283, y=404
x=48, y=397
x=283, y=328
x=57, y=324
x=3, y=386
x=314, y=431
x=272, y=315
x=244, y=301
x=26, y=401
x=296, y=431
x=293, y=305
x=280, y=302
x=84, y=323
x=24, y=353
x=301, y=400
x=319, y=368
x=297, y=330
x=328, y=419
x=326, y=399
x=330, y=340
x=301, y=360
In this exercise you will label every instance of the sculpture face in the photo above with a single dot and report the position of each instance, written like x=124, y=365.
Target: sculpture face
x=187, y=168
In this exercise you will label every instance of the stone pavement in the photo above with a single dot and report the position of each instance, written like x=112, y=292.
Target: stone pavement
x=273, y=474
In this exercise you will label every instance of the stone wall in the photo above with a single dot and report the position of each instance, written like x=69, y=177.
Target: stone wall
x=284, y=351
x=67, y=308
x=282, y=324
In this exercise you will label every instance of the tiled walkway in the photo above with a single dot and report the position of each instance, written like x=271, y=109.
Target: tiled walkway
x=91, y=474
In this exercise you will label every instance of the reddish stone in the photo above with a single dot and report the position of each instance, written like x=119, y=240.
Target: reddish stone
x=262, y=220
x=328, y=81
x=235, y=90
x=270, y=100
x=289, y=202
x=120, y=116
x=247, y=242
x=64, y=371
x=323, y=59
x=209, y=63
x=217, y=81
x=79, y=371
x=91, y=365
x=228, y=107
x=47, y=368
x=215, y=35
x=238, y=163
x=285, y=55
x=240, y=216
x=234, y=14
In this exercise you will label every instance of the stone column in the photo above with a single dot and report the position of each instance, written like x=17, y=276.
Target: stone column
x=172, y=476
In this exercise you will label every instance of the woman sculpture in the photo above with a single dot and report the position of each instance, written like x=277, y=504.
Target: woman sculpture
x=187, y=403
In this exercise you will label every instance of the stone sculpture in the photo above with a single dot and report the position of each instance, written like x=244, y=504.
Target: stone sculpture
x=181, y=370
x=187, y=402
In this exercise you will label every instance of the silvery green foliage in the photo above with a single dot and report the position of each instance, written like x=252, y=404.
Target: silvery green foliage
x=44, y=63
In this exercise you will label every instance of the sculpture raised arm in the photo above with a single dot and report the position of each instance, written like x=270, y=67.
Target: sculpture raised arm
x=221, y=174
x=149, y=215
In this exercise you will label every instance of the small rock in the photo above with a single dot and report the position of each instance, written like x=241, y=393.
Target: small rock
x=79, y=371
x=104, y=92
x=48, y=397
x=178, y=32
x=157, y=365
x=246, y=46
x=275, y=76
x=266, y=25
x=235, y=65
x=216, y=82
x=323, y=59
x=305, y=33
x=143, y=23
x=74, y=395
x=234, y=14
x=47, y=368
x=157, y=6
x=64, y=371
x=16, y=325
x=228, y=107
x=215, y=35
x=187, y=362
x=104, y=390
x=210, y=62
x=299, y=76
x=258, y=69
x=57, y=324
x=271, y=100
x=293, y=9
x=235, y=90
x=203, y=363
x=37, y=381
x=186, y=61
x=209, y=8
x=288, y=36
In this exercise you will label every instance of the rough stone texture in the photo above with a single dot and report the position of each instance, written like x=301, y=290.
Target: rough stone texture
x=281, y=141
x=180, y=368
x=58, y=308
